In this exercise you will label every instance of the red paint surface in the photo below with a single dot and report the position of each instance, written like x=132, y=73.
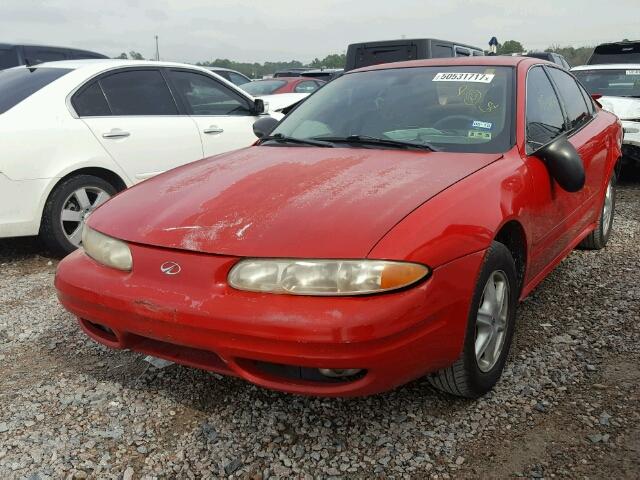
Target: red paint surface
x=439, y=209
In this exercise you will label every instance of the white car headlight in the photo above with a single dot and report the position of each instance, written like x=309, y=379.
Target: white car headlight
x=324, y=277
x=106, y=250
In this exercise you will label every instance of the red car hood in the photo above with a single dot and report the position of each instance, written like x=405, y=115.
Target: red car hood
x=283, y=201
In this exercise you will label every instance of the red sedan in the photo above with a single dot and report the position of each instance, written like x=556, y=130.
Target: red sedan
x=384, y=230
x=274, y=86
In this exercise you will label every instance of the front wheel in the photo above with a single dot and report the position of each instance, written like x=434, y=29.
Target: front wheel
x=67, y=208
x=489, y=331
x=600, y=236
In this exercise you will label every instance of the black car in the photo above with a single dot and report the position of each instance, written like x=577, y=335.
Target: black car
x=617, y=52
x=325, y=74
x=12, y=55
x=291, y=72
x=549, y=57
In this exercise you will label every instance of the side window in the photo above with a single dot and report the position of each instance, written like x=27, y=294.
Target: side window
x=441, y=51
x=138, y=92
x=36, y=55
x=544, y=118
x=306, y=87
x=462, y=52
x=205, y=96
x=90, y=102
x=237, y=79
x=572, y=98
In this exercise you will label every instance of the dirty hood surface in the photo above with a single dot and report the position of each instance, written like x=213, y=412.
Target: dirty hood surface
x=283, y=201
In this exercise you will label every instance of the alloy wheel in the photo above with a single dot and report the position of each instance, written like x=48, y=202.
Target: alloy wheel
x=491, y=321
x=76, y=208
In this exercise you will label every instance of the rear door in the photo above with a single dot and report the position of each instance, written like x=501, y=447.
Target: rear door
x=134, y=116
x=224, y=117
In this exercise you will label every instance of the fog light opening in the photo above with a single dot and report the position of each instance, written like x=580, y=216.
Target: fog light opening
x=339, y=372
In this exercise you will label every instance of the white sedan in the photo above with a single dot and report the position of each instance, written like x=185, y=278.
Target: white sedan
x=74, y=133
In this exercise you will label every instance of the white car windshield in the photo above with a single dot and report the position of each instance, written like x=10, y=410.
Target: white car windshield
x=451, y=108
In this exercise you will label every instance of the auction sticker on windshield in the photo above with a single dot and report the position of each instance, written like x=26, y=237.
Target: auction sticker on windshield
x=463, y=77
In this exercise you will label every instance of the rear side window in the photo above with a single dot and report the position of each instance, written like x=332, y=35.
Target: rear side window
x=90, y=102
x=572, y=98
x=16, y=84
x=545, y=120
x=8, y=58
x=263, y=87
x=138, y=92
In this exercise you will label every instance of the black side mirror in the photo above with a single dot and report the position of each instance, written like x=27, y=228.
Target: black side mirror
x=564, y=163
x=259, y=107
x=264, y=126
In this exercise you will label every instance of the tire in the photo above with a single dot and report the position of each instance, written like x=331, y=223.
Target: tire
x=471, y=376
x=58, y=235
x=598, y=239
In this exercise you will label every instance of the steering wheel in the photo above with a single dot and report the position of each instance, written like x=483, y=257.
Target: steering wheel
x=457, y=119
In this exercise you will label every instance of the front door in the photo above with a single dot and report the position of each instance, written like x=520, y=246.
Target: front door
x=554, y=107
x=224, y=117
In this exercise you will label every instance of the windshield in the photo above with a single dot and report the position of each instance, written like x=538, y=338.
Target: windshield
x=263, y=87
x=459, y=109
x=612, y=83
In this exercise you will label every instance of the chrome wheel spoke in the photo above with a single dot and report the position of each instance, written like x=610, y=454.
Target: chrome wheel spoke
x=69, y=215
x=482, y=343
x=100, y=199
x=76, y=236
x=82, y=198
x=484, y=320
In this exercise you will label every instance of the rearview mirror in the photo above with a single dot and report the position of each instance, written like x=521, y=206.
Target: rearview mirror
x=264, y=126
x=564, y=163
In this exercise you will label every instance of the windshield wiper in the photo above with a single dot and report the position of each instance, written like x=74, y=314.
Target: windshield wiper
x=280, y=138
x=383, y=142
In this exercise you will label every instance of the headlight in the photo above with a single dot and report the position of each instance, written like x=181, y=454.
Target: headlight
x=324, y=277
x=106, y=250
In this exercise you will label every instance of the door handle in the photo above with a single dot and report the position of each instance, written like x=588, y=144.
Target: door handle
x=115, y=133
x=213, y=130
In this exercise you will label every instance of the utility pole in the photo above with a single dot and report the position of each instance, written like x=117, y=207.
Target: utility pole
x=157, y=50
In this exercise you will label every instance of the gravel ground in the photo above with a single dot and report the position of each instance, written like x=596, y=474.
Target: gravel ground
x=568, y=404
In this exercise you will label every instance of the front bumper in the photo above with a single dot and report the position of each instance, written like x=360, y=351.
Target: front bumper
x=196, y=319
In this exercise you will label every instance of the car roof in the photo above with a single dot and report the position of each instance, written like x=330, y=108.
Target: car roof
x=609, y=66
x=489, y=61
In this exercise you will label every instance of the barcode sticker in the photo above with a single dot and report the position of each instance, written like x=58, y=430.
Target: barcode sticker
x=463, y=77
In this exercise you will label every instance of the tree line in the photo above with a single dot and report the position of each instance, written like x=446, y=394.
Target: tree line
x=573, y=55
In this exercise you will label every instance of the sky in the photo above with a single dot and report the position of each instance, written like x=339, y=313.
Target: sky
x=278, y=30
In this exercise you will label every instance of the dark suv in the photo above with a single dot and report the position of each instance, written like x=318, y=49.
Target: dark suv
x=12, y=55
